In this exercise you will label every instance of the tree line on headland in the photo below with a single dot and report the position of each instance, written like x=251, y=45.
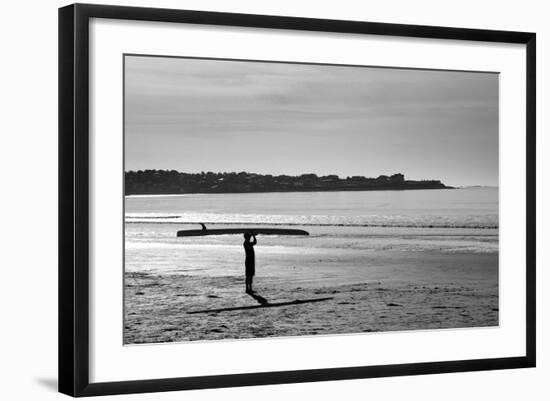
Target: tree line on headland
x=150, y=182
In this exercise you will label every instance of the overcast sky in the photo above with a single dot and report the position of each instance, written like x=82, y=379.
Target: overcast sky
x=272, y=118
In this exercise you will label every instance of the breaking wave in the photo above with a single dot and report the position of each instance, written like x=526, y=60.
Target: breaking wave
x=426, y=221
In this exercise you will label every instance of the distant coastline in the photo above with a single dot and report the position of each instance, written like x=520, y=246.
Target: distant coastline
x=172, y=182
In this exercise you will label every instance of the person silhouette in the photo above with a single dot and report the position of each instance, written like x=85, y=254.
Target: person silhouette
x=249, y=261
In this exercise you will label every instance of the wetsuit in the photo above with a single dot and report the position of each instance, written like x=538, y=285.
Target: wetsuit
x=249, y=262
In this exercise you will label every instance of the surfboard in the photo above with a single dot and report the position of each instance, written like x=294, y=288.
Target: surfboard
x=255, y=230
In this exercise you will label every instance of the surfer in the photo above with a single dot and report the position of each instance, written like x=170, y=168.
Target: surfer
x=249, y=262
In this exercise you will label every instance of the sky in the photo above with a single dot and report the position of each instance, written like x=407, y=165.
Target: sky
x=195, y=115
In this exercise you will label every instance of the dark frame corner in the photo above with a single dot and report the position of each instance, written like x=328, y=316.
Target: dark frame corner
x=74, y=191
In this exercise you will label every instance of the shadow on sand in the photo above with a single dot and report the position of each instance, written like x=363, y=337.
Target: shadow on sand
x=261, y=300
x=263, y=303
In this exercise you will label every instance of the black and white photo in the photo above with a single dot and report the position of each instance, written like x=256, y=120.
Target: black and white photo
x=255, y=199
x=271, y=199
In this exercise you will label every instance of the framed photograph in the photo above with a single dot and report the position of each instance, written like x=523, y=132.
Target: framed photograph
x=251, y=199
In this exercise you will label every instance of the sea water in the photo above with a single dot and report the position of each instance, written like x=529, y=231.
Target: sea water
x=346, y=228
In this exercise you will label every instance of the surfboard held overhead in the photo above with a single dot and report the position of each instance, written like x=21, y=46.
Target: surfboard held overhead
x=253, y=230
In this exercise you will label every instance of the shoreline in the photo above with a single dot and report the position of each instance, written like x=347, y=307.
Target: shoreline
x=372, y=273
x=289, y=191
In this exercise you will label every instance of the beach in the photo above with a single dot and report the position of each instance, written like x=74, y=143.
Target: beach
x=416, y=271
x=395, y=290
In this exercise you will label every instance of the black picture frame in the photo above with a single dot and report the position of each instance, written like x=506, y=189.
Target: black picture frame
x=74, y=198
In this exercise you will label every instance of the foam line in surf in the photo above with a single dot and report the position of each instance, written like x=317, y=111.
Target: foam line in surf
x=151, y=220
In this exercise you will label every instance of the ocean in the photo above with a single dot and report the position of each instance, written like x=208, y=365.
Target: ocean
x=344, y=227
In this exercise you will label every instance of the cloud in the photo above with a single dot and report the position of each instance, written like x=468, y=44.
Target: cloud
x=179, y=101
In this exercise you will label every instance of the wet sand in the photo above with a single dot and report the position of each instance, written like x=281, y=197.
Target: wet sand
x=391, y=290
